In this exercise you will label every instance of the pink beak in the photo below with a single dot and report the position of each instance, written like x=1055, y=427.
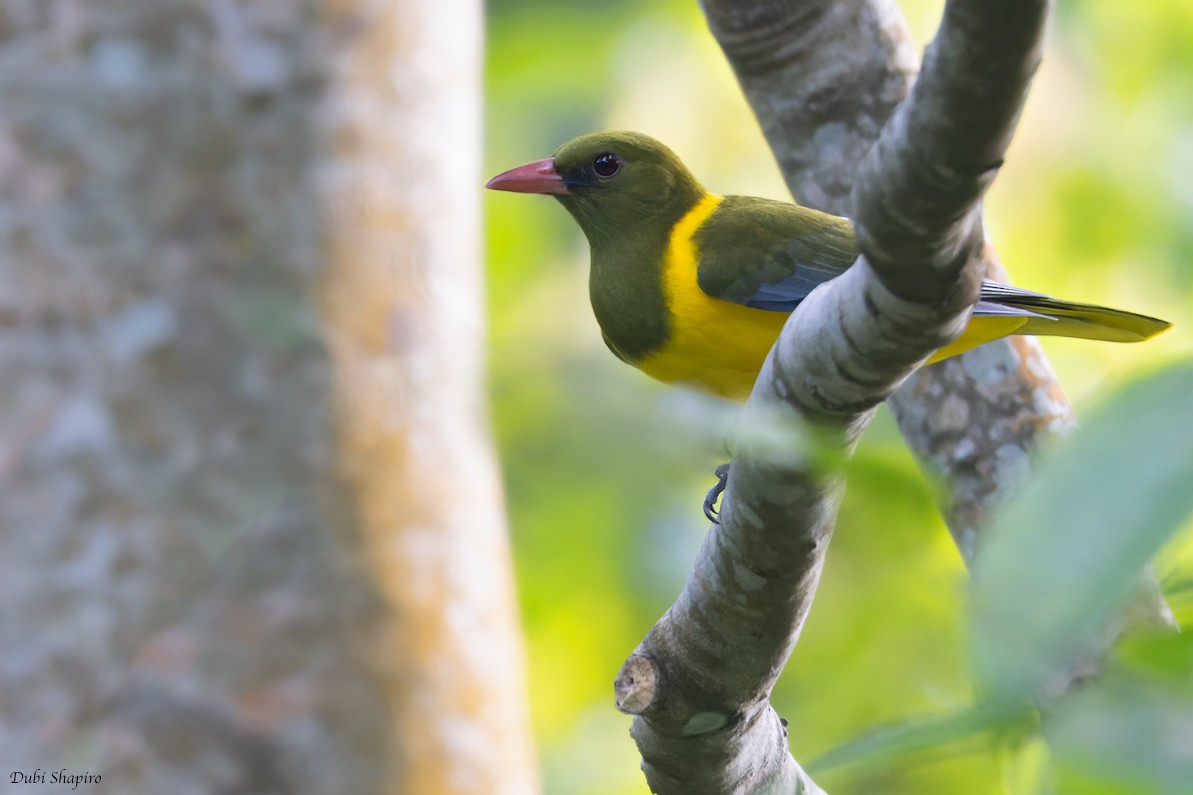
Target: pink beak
x=536, y=177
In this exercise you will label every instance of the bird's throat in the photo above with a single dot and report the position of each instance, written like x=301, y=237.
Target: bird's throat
x=626, y=280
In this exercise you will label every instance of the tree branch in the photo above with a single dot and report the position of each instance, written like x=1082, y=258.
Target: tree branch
x=974, y=420
x=699, y=682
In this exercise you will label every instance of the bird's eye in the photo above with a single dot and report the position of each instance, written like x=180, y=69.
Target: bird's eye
x=606, y=164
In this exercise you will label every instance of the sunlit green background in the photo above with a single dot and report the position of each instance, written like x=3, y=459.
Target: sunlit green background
x=605, y=470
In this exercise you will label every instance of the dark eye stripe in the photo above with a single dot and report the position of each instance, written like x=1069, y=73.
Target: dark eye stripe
x=606, y=164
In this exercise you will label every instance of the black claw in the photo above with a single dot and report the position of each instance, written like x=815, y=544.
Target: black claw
x=714, y=494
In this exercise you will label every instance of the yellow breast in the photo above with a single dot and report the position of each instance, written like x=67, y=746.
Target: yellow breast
x=716, y=346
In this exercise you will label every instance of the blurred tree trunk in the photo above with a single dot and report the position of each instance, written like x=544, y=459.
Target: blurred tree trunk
x=251, y=533
x=403, y=310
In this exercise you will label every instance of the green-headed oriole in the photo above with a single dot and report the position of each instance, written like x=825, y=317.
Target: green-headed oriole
x=691, y=287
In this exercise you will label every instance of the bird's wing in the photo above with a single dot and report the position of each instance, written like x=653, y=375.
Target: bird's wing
x=769, y=255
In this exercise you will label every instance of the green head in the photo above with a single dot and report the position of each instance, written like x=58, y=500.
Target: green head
x=611, y=182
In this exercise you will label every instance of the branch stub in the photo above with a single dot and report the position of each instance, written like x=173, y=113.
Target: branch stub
x=636, y=684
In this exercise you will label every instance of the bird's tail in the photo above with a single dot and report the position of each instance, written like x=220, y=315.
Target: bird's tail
x=1048, y=316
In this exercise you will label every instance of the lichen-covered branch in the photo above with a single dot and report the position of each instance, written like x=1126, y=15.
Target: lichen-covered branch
x=699, y=683
x=915, y=198
x=975, y=419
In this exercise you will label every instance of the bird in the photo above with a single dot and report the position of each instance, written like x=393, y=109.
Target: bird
x=693, y=288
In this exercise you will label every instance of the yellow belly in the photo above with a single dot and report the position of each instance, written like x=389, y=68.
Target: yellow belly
x=715, y=346
x=718, y=346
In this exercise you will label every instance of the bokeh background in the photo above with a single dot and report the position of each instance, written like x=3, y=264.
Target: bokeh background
x=605, y=470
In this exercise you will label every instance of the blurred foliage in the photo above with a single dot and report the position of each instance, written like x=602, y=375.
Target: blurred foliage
x=605, y=470
x=1044, y=603
x=1036, y=615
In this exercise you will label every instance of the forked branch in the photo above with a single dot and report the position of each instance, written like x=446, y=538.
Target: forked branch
x=699, y=683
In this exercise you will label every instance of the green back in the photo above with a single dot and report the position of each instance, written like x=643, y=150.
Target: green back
x=769, y=254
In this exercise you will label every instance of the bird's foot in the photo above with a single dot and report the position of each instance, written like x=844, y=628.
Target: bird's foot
x=714, y=494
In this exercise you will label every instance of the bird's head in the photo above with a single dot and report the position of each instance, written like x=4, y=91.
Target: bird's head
x=610, y=182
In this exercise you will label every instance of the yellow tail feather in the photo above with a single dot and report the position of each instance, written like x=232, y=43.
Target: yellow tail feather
x=1090, y=322
x=1054, y=318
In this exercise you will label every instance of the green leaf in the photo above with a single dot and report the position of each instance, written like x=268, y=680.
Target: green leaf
x=1130, y=735
x=1071, y=547
x=934, y=734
